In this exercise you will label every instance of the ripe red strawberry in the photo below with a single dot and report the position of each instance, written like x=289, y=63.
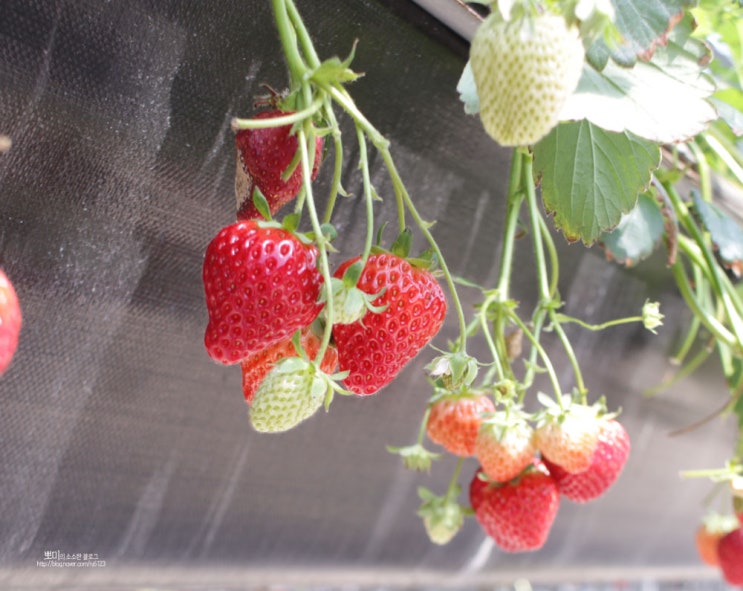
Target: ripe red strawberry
x=730, y=554
x=10, y=322
x=524, y=69
x=266, y=155
x=710, y=532
x=569, y=437
x=505, y=445
x=518, y=515
x=374, y=349
x=454, y=420
x=292, y=391
x=261, y=285
x=608, y=460
x=255, y=367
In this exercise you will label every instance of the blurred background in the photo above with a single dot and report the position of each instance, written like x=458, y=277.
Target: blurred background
x=120, y=438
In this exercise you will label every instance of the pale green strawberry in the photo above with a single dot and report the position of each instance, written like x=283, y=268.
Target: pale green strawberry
x=505, y=445
x=524, y=70
x=290, y=393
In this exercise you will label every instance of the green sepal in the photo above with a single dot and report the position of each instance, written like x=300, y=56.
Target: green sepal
x=352, y=273
x=261, y=204
x=401, y=246
x=334, y=71
x=415, y=457
x=290, y=223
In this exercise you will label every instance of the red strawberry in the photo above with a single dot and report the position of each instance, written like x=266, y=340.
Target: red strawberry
x=569, y=437
x=609, y=458
x=255, y=367
x=454, y=421
x=730, y=554
x=261, y=284
x=266, y=155
x=10, y=321
x=374, y=349
x=710, y=532
x=505, y=445
x=518, y=515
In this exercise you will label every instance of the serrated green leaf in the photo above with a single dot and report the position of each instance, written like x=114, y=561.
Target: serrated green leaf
x=643, y=25
x=637, y=234
x=590, y=176
x=467, y=90
x=726, y=234
x=664, y=100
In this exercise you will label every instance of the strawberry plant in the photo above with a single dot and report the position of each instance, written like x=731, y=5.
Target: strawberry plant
x=619, y=118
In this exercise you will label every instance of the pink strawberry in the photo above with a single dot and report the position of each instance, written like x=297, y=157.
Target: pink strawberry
x=454, y=420
x=505, y=445
x=10, y=321
x=569, y=437
x=608, y=460
x=256, y=366
x=376, y=348
x=266, y=155
x=261, y=285
x=730, y=555
x=518, y=514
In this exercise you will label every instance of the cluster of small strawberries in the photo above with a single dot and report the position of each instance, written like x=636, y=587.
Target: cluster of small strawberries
x=573, y=451
x=268, y=301
x=10, y=322
x=719, y=541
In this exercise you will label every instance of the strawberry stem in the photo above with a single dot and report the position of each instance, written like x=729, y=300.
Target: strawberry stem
x=288, y=37
x=368, y=196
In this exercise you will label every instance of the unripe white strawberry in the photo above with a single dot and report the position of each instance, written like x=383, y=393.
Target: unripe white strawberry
x=290, y=393
x=524, y=69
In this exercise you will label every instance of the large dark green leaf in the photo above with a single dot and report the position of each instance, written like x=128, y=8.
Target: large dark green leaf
x=643, y=25
x=637, y=234
x=590, y=177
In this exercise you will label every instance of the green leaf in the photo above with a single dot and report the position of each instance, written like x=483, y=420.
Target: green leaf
x=643, y=25
x=467, y=90
x=663, y=100
x=729, y=114
x=590, y=176
x=726, y=234
x=637, y=234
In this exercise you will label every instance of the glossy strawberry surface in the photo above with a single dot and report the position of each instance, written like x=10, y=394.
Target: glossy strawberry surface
x=455, y=420
x=611, y=454
x=730, y=556
x=376, y=348
x=266, y=155
x=261, y=285
x=518, y=515
x=10, y=321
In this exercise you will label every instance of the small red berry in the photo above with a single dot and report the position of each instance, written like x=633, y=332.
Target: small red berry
x=10, y=322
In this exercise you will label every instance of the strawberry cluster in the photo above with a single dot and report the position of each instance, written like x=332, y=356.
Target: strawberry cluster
x=719, y=541
x=289, y=325
x=575, y=452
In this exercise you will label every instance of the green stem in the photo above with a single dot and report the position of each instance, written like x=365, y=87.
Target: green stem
x=562, y=318
x=368, y=198
x=424, y=423
x=287, y=34
x=711, y=323
x=531, y=199
x=494, y=350
x=542, y=353
x=570, y=352
x=319, y=238
x=726, y=156
x=454, y=482
x=554, y=259
x=513, y=207
x=290, y=119
x=705, y=181
x=304, y=38
x=682, y=373
x=338, y=163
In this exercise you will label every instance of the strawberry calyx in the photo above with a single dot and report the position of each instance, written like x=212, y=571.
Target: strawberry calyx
x=532, y=468
x=415, y=457
x=453, y=371
x=442, y=516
